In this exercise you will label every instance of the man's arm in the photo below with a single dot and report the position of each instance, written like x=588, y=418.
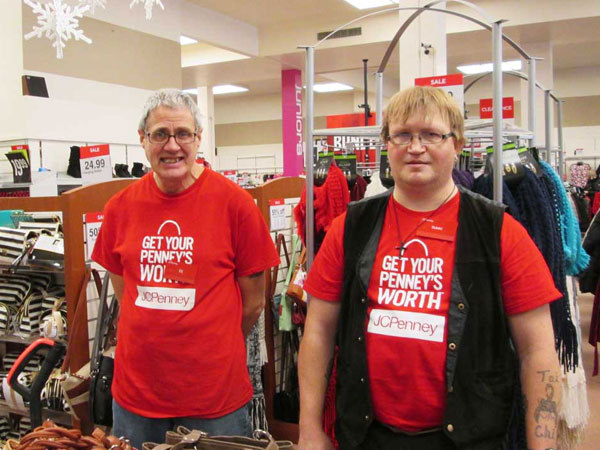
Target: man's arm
x=252, y=288
x=118, y=284
x=314, y=362
x=540, y=375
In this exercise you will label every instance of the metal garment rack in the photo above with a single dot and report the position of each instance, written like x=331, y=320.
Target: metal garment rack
x=548, y=95
x=497, y=37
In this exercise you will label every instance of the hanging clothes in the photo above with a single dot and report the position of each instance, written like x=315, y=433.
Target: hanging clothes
x=580, y=174
x=359, y=189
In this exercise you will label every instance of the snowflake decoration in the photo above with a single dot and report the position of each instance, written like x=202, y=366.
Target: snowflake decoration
x=93, y=3
x=148, y=4
x=58, y=22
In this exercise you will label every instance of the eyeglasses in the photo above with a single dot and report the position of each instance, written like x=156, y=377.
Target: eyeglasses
x=425, y=138
x=161, y=137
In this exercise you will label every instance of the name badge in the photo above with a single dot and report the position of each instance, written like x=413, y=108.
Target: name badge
x=436, y=229
x=183, y=273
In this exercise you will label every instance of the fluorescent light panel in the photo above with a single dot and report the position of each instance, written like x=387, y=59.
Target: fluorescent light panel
x=366, y=4
x=473, y=69
x=332, y=87
x=191, y=91
x=185, y=40
x=227, y=89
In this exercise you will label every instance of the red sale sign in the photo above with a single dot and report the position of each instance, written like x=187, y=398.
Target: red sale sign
x=452, y=84
x=486, y=108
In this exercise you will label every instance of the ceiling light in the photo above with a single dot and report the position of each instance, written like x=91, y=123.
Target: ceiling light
x=331, y=87
x=473, y=69
x=185, y=40
x=227, y=89
x=366, y=4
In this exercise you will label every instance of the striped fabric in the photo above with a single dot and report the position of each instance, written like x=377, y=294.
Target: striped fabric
x=12, y=244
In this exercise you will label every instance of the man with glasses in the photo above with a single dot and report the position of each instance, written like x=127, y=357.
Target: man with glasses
x=437, y=300
x=186, y=250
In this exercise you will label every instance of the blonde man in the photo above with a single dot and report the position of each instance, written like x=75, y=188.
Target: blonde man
x=436, y=297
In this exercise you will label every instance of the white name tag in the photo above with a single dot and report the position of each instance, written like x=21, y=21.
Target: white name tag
x=173, y=299
x=405, y=324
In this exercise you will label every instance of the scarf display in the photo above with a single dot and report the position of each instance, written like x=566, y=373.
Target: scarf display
x=256, y=357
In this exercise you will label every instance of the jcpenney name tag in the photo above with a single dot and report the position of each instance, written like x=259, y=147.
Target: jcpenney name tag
x=171, y=299
x=406, y=324
x=436, y=229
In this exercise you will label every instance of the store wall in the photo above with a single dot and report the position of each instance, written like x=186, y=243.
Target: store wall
x=116, y=55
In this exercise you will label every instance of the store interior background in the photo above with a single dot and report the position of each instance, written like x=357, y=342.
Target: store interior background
x=97, y=91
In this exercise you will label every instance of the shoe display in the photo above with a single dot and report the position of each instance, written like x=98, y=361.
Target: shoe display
x=138, y=170
x=122, y=171
x=74, y=168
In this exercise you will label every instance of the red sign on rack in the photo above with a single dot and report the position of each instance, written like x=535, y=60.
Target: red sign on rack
x=486, y=108
x=452, y=84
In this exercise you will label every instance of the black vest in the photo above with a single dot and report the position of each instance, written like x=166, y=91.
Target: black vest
x=481, y=364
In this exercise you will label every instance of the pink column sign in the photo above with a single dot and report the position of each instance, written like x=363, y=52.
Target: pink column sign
x=292, y=124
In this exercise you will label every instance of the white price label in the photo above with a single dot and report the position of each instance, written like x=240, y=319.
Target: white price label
x=277, y=214
x=231, y=174
x=95, y=164
x=91, y=228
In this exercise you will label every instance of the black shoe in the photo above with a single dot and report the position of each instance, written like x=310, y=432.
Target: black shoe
x=74, y=168
x=126, y=173
x=121, y=171
x=138, y=169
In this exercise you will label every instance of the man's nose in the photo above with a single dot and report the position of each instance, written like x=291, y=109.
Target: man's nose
x=171, y=144
x=415, y=144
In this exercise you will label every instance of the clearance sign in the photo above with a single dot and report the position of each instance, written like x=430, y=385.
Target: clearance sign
x=486, y=108
x=452, y=84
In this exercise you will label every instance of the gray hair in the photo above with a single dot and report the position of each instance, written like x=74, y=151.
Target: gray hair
x=171, y=98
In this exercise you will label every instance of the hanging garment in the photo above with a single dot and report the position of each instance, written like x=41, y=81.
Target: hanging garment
x=580, y=174
x=582, y=206
x=576, y=258
x=375, y=186
x=330, y=200
x=359, y=189
x=463, y=178
x=588, y=280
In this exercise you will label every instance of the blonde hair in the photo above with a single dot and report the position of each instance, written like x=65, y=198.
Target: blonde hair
x=426, y=100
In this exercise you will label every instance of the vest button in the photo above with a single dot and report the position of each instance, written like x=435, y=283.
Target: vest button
x=367, y=417
x=452, y=346
x=362, y=380
x=461, y=306
x=450, y=428
x=360, y=339
x=363, y=300
x=451, y=389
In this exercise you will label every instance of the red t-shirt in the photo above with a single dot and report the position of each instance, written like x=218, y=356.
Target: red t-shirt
x=409, y=297
x=181, y=350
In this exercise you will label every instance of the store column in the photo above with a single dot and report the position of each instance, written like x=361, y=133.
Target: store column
x=12, y=120
x=544, y=76
x=206, y=104
x=422, y=47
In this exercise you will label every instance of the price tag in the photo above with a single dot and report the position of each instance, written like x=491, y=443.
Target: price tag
x=95, y=163
x=91, y=227
x=20, y=165
x=277, y=214
x=231, y=174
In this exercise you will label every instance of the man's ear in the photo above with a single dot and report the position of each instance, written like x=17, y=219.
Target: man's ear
x=142, y=135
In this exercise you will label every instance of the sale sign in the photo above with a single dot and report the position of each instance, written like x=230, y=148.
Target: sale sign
x=452, y=84
x=91, y=226
x=95, y=163
x=486, y=108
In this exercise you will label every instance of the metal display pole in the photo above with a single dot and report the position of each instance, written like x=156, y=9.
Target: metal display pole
x=561, y=143
x=497, y=108
x=548, y=111
x=531, y=118
x=308, y=142
x=379, y=98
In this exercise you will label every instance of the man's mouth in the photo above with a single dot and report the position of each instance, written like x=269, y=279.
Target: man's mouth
x=171, y=160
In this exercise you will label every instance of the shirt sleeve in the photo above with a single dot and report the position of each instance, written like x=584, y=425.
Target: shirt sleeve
x=326, y=275
x=254, y=249
x=105, y=252
x=526, y=280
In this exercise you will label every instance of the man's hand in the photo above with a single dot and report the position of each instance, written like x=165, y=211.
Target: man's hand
x=314, y=440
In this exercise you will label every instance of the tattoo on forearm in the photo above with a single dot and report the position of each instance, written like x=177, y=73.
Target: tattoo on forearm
x=255, y=275
x=546, y=409
x=546, y=412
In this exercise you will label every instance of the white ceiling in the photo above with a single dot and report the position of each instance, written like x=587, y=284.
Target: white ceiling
x=576, y=43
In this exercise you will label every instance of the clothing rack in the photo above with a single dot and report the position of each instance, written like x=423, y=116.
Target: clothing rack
x=495, y=26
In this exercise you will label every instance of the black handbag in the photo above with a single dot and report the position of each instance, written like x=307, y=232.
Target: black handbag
x=101, y=361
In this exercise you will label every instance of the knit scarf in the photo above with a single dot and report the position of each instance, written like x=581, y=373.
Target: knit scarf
x=576, y=258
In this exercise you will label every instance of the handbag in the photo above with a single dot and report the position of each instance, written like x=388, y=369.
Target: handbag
x=286, y=401
x=184, y=439
x=295, y=289
x=76, y=385
x=102, y=360
x=14, y=244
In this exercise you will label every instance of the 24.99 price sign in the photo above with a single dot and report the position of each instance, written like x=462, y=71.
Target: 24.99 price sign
x=95, y=163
